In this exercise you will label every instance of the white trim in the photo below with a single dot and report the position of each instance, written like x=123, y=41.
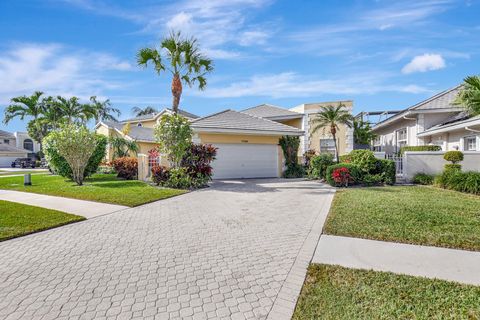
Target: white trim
x=451, y=127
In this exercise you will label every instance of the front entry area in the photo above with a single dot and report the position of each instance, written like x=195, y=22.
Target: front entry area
x=235, y=161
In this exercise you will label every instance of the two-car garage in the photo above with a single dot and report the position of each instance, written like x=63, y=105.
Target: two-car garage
x=246, y=161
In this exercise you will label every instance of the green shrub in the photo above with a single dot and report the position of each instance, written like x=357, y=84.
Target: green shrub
x=353, y=169
x=468, y=182
x=126, y=167
x=319, y=164
x=59, y=165
x=372, y=179
x=364, y=159
x=453, y=156
x=423, y=178
x=178, y=178
x=420, y=148
x=294, y=171
x=387, y=170
x=453, y=166
x=345, y=158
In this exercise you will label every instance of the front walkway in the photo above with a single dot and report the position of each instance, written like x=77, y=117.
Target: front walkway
x=431, y=262
x=87, y=209
x=237, y=250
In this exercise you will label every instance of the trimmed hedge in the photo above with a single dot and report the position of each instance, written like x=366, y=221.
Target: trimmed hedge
x=420, y=148
x=453, y=156
x=319, y=164
x=355, y=173
x=423, y=178
x=468, y=182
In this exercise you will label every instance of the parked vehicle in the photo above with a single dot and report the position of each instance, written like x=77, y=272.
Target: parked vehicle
x=23, y=163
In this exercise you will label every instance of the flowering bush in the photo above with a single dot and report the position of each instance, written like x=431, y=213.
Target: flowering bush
x=341, y=176
x=126, y=167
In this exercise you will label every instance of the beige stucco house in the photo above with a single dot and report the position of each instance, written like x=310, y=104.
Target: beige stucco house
x=247, y=141
x=16, y=145
x=434, y=121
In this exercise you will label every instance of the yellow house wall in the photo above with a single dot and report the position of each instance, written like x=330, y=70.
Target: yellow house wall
x=145, y=124
x=238, y=138
x=324, y=133
x=297, y=123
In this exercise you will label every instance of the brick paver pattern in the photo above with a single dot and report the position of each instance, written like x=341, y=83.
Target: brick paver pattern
x=218, y=253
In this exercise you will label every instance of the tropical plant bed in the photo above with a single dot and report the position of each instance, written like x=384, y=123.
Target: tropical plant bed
x=333, y=292
x=409, y=214
x=100, y=187
x=19, y=219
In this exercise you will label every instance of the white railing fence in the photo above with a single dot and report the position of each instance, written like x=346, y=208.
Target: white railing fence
x=398, y=159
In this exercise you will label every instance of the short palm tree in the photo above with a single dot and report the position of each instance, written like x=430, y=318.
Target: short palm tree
x=122, y=147
x=137, y=111
x=103, y=110
x=24, y=106
x=469, y=96
x=331, y=117
x=182, y=58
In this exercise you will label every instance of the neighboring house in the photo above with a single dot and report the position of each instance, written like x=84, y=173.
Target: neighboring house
x=302, y=117
x=434, y=121
x=247, y=145
x=16, y=145
x=150, y=120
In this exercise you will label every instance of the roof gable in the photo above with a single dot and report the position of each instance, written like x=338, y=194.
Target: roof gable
x=270, y=111
x=154, y=116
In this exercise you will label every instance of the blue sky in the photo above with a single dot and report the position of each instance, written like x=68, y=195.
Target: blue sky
x=381, y=54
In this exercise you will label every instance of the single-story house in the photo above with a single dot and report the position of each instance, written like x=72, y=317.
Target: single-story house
x=434, y=121
x=16, y=145
x=247, y=141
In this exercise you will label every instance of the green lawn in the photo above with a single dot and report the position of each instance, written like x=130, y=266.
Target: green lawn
x=100, y=187
x=19, y=219
x=409, y=214
x=333, y=292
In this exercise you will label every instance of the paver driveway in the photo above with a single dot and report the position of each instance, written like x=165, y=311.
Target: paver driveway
x=222, y=252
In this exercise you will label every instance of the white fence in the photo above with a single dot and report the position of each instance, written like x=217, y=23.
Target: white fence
x=432, y=162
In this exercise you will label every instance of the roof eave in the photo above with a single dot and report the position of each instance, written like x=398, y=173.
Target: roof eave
x=248, y=131
x=451, y=127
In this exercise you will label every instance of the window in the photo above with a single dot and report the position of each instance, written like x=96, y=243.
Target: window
x=139, y=124
x=470, y=143
x=28, y=144
x=327, y=146
x=6, y=141
x=401, y=138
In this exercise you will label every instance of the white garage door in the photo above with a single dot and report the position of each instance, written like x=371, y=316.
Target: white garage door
x=245, y=161
x=7, y=161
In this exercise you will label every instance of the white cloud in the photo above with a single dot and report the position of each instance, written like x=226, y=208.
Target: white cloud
x=291, y=85
x=25, y=68
x=424, y=63
x=253, y=37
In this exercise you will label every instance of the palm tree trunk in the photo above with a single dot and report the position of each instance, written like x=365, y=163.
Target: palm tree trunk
x=176, y=92
x=333, y=131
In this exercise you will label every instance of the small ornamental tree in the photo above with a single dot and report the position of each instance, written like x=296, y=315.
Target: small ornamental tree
x=76, y=144
x=174, y=136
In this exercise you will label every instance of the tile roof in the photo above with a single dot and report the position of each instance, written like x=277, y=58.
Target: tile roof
x=136, y=133
x=9, y=148
x=6, y=134
x=270, y=111
x=234, y=120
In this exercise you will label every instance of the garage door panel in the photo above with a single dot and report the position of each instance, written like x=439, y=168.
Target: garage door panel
x=245, y=161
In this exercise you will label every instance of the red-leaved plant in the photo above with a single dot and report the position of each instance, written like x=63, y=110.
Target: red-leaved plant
x=341, y=176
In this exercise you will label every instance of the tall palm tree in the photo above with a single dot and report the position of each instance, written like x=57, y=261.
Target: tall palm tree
x=73, y=111
x=331, y=117
x=182, y=59
x=24, y=106
x=103, y=110
x=469, y=96
x=137, y=111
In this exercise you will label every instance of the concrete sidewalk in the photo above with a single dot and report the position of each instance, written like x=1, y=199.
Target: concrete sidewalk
x=431, y=262
x=87, y=209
